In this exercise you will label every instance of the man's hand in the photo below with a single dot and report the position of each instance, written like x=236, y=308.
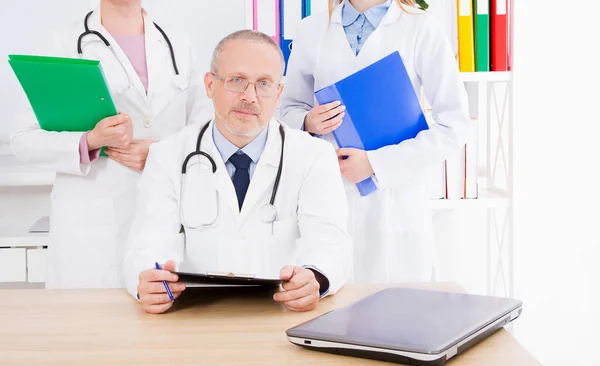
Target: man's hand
x=152, y=291
x=325, y=118
x=301, y=289
x=114, y=131
x=354, y=164
x=133, y=156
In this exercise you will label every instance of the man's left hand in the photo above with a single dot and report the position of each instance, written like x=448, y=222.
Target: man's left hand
x=134, y=156
x=301, y=289
x=356, y=167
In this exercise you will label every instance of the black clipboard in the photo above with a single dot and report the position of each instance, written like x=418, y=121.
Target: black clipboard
x=226, y=279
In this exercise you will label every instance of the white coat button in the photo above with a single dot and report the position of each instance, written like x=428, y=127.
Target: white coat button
x=148, y=123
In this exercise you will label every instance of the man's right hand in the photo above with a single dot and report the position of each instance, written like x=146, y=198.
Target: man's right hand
x=114, y=131
x=325, y=118
x=152, y=292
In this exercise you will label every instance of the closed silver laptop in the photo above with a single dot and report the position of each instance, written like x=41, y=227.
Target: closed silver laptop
x=415, y=327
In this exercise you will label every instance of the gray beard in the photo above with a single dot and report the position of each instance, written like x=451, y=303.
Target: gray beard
x=229, y=127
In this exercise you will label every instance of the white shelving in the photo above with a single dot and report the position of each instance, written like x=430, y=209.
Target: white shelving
x=493, y=76
x=15, y=234
x=490, y=98
x=22, y=254
x=16, y=174
x=489, y=195
x=487, y=199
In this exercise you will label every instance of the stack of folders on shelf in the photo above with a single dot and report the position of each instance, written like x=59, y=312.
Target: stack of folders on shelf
x=480, y=31
x=290, y=14
x=265, y=17
x=280, y=19
x=484, y=35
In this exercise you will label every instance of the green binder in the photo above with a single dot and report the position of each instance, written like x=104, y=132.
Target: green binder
x=482, y=35
x=66, y=94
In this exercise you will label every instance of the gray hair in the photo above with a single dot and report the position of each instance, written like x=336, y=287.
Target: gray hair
x=243, y=35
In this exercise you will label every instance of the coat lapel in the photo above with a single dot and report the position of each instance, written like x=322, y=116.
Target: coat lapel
x=158, y=58
x=118, y=61
x=263, y=179
x=223, y=180
x=93, y=47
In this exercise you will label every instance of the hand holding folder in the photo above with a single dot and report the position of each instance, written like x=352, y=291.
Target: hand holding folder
x=382, y=109
x=66, y=94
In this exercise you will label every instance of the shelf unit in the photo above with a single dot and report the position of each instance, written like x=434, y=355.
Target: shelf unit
x=491, y=93
x=493, y=76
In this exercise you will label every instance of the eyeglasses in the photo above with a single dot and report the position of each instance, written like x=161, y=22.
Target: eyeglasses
x=238, y=84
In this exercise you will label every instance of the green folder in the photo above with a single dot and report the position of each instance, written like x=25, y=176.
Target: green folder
x=482, y=34
x=66, y=94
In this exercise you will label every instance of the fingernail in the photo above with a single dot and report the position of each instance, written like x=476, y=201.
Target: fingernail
x=343, y=107
x=173, y=278
x=337, y=102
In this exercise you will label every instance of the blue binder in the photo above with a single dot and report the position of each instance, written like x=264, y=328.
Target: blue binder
x=382, y=108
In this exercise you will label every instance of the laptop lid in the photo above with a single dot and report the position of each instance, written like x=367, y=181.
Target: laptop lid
x=408, y=320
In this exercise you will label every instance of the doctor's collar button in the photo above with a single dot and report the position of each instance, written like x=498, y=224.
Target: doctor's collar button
x=147, y=123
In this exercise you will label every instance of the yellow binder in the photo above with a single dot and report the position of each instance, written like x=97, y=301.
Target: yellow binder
x=466, y=39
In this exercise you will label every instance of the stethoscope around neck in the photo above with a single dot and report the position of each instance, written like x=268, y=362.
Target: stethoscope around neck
x=267, y=212
x=89, y=31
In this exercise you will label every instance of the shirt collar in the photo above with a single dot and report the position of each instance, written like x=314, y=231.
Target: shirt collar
x=374, y=14
x=254, y=149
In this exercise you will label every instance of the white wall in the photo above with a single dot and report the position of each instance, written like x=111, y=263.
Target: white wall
x=557, y=179
x=23, y=24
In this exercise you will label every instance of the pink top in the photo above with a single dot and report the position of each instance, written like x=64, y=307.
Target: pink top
x=135, y=50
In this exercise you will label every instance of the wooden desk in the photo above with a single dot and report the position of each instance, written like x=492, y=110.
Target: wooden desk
x=216, y=327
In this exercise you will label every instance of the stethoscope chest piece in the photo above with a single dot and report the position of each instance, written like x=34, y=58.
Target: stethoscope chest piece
x=180, y=82
x=267, y=213
x=199, y=196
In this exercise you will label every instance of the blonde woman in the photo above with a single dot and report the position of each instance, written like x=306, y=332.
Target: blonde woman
x=392, y=227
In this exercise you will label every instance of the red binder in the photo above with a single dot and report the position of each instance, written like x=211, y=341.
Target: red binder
x=499, y=18
x=511, y=33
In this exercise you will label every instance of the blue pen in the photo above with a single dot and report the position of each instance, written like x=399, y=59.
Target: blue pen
x=165, y=283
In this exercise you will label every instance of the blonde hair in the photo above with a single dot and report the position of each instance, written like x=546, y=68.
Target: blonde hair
x=401, y=3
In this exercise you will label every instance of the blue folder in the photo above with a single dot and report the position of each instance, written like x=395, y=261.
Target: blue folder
x=382, y=109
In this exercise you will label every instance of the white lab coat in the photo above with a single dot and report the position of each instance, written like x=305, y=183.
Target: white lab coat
x=310, y=229
x=391, y=228
x=92, y=204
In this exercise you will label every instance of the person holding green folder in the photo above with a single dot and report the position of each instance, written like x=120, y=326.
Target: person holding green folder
x=157, y=88
x=392, y=227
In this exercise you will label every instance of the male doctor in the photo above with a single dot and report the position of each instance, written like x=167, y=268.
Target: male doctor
x=242, y=194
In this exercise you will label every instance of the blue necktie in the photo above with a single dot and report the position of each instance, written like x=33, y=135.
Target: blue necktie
x=241, y=176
